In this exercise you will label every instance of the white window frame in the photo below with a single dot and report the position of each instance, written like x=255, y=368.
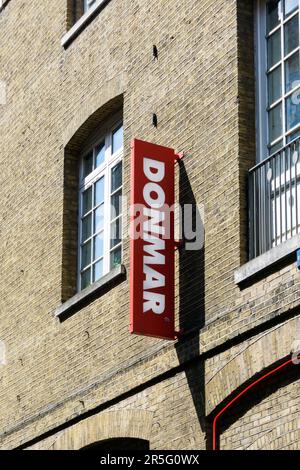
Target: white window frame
x=104, y=170
x=262, y=106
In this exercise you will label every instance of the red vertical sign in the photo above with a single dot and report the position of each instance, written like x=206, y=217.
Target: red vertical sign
x=152, y=240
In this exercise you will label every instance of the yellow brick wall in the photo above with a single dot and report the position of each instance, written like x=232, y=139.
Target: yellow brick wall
x=272, y=422
x=202, y=90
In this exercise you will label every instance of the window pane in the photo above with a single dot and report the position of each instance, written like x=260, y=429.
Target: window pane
x=274, y=85
x=87, y=201
x=88, y=164
x=275, y=123
x=100, y=154
x=116, y=233
x=117, y=139
x=116, y=205
x=98, y=246
x=291, y=35
x=274, y=49
x=292, y=112
x=290, y=6
x=86, y=227
x=116, y=177
x=115, y=258
x=273, y=14
x=86, y=255
x=85, y=279
x=292, y=72
x=99, y=192
x=293, y=136
x=98, y=270
x=99, y=218
x=275, y=147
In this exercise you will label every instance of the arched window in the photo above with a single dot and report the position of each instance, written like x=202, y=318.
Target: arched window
x=92, y=201
x=100, y=205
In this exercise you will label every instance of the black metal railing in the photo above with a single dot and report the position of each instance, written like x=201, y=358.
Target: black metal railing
x=274, y=200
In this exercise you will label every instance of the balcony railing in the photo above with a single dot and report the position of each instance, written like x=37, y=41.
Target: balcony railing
x=274, y=200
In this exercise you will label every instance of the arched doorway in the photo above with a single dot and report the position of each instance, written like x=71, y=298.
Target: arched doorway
x=128, y=444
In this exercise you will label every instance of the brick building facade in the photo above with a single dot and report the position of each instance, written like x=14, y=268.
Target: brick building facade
x=71, y=375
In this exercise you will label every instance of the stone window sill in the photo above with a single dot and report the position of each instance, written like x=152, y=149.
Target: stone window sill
x=90, y=293
x=82, y=23
x=267, y=260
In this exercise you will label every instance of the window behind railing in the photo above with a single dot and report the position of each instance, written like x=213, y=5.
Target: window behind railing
x=274, y=181
x=274, y=200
